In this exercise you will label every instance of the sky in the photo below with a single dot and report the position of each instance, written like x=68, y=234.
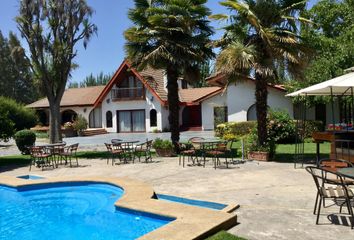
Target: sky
x=105, y=52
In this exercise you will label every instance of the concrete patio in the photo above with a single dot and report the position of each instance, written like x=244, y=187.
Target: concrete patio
x=276, y=199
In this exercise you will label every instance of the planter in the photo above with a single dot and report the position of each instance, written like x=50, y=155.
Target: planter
x=259, y=156
x=69, y=132
x=164, y=152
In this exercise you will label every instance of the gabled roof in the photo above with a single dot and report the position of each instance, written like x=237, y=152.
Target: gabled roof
x=73, y=97
x=220, y=80
x=152, y=80
x=196, y=95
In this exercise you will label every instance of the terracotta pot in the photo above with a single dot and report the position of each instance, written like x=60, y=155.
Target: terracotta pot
x=164, y=152
x=259, y=156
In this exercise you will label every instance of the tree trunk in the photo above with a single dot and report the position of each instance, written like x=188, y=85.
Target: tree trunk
x=173, y=104
x=261, y=107
x=54, y=122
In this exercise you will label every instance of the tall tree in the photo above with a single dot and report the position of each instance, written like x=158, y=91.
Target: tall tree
x=261, y=40
x=52, y=28
x=170, y=35
x=333, y=39
x=100, y=79
x=16, y=80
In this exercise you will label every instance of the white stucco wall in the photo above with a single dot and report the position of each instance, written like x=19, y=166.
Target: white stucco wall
x=241, y=97
x=149, y=103
x=208, y=110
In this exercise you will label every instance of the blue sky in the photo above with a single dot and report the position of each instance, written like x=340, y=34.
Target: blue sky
x=105, y=51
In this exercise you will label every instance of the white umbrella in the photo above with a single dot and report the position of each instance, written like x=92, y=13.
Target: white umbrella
x=342, y=85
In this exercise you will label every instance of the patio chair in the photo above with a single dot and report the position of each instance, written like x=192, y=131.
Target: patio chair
x=186, y=150
x=114, y=150
x=144, y=150
x=218, y=150
x=329, y=189
x=69, y=152
x=41, y=157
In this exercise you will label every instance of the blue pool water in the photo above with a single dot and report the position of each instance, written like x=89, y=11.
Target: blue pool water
x=198, y=203
x=70, y=211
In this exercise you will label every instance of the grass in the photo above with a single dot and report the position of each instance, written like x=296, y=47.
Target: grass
x=222, y=235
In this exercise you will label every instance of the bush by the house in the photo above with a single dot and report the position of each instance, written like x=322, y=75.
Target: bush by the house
x=235, y=128
x=311, y=126
x=164, y=148
x=24, y=139
x=281, y=129
x=80, y=123
x=252, y=144
x=22, y=117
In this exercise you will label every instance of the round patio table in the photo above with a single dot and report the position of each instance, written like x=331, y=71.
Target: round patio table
x=128, y=148
x=204, y=145
x=346, y=172
x=55, y=149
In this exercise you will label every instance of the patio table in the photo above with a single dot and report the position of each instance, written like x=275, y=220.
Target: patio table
x=346, y=172
x=128, y=148
x=54, y=149
x=204, y=145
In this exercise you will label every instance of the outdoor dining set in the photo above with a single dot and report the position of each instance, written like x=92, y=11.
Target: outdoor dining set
x=198, y=150
x=128, y=150
x=53, y=155
x=334, y=180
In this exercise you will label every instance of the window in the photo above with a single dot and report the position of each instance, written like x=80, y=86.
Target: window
x=109, y=119
x=153, y=118
x=220, y=115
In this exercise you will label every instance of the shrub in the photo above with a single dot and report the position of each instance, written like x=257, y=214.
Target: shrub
x=68, y=125
x=6, y=125
x=252, y=144
x=22, y=117
x=80, y=123
x=281, y=129
x=25, y=138
x=311, y=126
x=162, y=144
x=235, y=128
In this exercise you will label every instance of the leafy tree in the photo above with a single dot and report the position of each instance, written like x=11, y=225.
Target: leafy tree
x=99, y=80
x=13, y=117
x=332, y=37
x=52, y=28
x=261, y=42
x=170, y=35
x=16, y=80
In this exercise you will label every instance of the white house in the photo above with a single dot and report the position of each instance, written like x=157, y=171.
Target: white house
x=135, y=101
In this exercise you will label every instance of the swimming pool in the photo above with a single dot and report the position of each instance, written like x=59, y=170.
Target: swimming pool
x=72, y=210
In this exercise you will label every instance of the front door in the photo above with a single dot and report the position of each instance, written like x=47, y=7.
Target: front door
x=131, y=121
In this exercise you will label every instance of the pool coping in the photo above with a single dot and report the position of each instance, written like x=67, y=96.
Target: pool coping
x=190, y=222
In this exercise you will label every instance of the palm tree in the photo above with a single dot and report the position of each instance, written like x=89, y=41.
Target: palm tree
x=170, y=35
x=261, y=42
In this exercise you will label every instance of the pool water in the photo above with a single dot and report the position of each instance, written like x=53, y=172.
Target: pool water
x=198, y=203
x=71, y=211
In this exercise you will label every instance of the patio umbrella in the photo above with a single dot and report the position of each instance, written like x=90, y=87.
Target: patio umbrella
x=342, y=85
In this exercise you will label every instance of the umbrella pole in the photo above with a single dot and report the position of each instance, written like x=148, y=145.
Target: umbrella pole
x=352, y=113
x=332, y=106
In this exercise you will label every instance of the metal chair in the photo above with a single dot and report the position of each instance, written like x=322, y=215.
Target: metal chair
x=218, y=150
x=114, y=150
x=41, y=157
x=69, y=152
x=327, y=188
x=144, y=150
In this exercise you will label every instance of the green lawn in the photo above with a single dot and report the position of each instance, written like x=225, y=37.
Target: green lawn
x=222, y=235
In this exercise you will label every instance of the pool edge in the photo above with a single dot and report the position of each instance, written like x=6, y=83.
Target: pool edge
x=190, y=222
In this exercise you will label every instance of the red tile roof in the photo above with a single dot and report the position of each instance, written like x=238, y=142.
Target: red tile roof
x=73, y=97
x=195, y=95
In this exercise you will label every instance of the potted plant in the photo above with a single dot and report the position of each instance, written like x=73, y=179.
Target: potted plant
x=69, y=130
x=256, y=151
x=164, y=148
x=80, y=124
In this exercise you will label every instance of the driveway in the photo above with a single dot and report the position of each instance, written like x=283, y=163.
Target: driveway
x=97, y=142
